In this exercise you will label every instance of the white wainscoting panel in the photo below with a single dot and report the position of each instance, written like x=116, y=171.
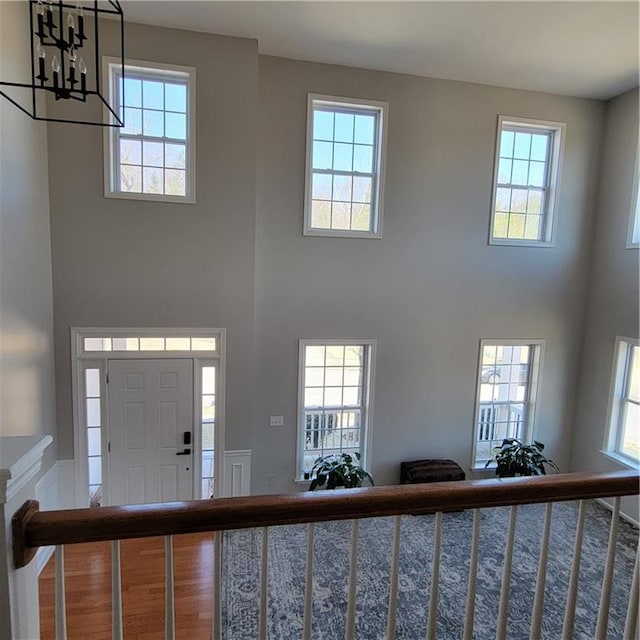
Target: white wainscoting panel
x=237, y=473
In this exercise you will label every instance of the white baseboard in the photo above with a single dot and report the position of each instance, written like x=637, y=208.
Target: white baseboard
x=237, y=473
x=623, y=515
x=55, y=490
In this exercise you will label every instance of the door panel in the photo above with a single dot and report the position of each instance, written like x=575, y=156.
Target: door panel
x=150, y=406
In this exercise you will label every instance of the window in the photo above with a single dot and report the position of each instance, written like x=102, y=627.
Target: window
x=525, y=192
x=334, y=405
x=623, y=437
x=345, y=167
x=508, y=382
x=633, y=236
x=152, y=157
x=93, y=420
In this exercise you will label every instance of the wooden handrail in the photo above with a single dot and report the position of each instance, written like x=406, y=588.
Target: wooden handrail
x=33, y=528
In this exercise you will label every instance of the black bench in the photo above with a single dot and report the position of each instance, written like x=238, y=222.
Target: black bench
x=420, y=471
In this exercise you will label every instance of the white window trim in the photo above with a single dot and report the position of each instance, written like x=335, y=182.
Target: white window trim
x=556, y=155
x=634, y=208
x=379, y=166
x=533, y=401
x=610, y=446
x=81, y=360
x=110, y=133
x=367, y=400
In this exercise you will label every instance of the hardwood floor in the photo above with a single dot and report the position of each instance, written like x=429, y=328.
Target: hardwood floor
x=88, y=589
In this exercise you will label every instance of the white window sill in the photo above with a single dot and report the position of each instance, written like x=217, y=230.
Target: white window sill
x=338, y=233
x=150, y=197
x=506, y=242
x=629, y=463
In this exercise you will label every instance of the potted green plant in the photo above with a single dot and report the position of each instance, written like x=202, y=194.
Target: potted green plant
x=338, y=470
x=513, y=458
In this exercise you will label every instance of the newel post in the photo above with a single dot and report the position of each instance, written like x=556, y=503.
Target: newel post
x=20, y=464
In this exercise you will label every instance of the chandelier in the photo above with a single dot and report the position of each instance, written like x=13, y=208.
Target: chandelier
x=66, y=61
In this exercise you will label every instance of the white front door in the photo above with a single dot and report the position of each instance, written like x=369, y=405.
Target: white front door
x=150, y=409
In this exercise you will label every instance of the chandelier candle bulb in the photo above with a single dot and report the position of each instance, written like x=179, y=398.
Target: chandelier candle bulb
x=81, y=35
x=41, y=56
x=40, y=19
x=71, y=25
x=72, y=65
x=55, y=67
x=50, y=24
x=83, y=75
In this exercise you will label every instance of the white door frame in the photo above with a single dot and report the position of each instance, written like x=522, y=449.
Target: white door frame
x=82, y=359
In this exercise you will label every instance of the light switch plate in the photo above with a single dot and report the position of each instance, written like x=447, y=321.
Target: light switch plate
x=276, y=421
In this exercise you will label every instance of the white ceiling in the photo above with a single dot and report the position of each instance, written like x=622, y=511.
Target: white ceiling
x=576, y=48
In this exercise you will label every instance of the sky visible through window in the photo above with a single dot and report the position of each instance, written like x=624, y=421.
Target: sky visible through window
x=343, y=159
x=153, y=142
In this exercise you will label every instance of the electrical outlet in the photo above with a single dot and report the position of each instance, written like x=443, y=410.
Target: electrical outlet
x=276, y=421
x=271, y=479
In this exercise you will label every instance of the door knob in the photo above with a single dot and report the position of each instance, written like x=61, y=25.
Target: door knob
x=186, y=452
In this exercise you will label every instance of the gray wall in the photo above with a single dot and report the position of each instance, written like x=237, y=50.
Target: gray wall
x=433, y=286
x=131, y=263
x=612, y=307
x=27, y=390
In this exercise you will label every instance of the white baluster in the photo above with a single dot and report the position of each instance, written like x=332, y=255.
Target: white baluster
x=169, y=603
x=631, y=623
x=538, y=602
x=473, y=572
x=503, y=609
x=570, y=609
x=116, y=592
x=605, y=594
x=350, y=622
x=216, y=619
x=393, y=581
x=435, y=578
x=308, y=584
x=264, y=575
x=61, y=613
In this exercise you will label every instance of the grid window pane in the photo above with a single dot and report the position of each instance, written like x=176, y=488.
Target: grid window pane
x=321, y=214
x=332, y=396
x=152, y=123
x=340, y=215
x=92, y=383
x=132, y=122
x=175, y=182
x=152, y=180
x=175, y=97
x=153, y=154
x=176, y=126
x=93, y=441
x=203, y=344
x=152, y=146
x=132, y=92
x=343, y=148
x=152, y=95
x=323, y=125
x=365, y=129
x=521, y=184
x=342, y=188
x=130, y=151
x=177, y=344
x=505, y=379
x=130, y=178
x=344, y=123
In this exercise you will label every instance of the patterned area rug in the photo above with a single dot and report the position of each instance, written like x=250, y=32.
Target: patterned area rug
x=287, y=550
